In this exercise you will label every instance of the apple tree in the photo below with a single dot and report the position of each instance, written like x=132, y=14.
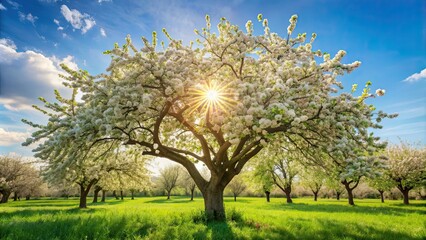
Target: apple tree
x=218, y=100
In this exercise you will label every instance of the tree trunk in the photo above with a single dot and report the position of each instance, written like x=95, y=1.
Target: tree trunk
x=168, y=194
x=405, y=195
x=267, y=193
x=5, y=196
x=315, y=196
x=192, y=194
x=350, y=197
x=133, y=194
x=95, y=193
x=382, y=197
x=235, y=197
x=84, y=191
x=349, y=189
x=121, y=195
x=213, y=202
x=338, y=195
x=27, y=197
x=103, y=195
x=287, y=192
x=15, y=196
x=404, y=190
x=350, y=194
x=114, y=193
x=83, y=197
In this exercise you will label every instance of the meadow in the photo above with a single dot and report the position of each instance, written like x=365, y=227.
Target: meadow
x=179, y=218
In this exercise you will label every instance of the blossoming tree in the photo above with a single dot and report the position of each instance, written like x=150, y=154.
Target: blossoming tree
x=313, y=179
x=218, y=101
x=16, y=176
x=381, y=183
x=407, y=167
x=281, y=164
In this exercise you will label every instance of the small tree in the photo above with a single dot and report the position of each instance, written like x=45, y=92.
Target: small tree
x=407, y=167
x=237, y=186
x=262, y=181
x=333, y=182
x=169, y=178
x=189, y=183
x=381, y=183
x=33, y=186
x=282, y=166
x=313, y=179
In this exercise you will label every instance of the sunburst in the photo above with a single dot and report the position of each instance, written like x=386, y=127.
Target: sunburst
x=211, y=97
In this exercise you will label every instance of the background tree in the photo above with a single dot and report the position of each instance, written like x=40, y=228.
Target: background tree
x=189, y=183
x=281, y=164
x=261, y=179
x=31, y=185
x=219, y=101
x=16, y=176
x=313, y=179
x=421, y=191
x=136, y=180
x=169, y=178
x=333, y=183
x=352, y=170
x=96, y=191
x=237, y=186
x=381, y=183
x=407, y=167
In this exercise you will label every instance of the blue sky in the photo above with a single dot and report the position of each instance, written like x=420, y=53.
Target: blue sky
x=388, y=37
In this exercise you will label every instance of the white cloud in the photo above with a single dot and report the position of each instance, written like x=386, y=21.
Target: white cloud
x=29, y=17
x=84, y=21
x=8, y=138
x=25, y=76
x=103, y=33
x=2, y=7
x=8, y=43
x=68, y=60
x=101, y=1
x=56, y=21
x=404, y=129
x=416, y=76
x=14, y=5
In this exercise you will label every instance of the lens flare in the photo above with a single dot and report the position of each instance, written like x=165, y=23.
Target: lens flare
x=211, y=97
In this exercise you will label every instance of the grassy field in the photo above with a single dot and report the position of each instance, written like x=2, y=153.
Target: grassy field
x=248, y=218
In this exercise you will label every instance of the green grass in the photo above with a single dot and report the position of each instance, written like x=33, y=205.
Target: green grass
x=248, y=218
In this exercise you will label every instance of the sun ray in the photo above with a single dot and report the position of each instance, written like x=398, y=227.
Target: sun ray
x=211, y=97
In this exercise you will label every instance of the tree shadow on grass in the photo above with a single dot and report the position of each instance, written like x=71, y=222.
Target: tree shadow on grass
x=172, y=200
x=328, y=229
x=331, y=208
x=300, y=228
x=28, y=213
x=55, y=204
x=220, y=230
x=239, y=200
